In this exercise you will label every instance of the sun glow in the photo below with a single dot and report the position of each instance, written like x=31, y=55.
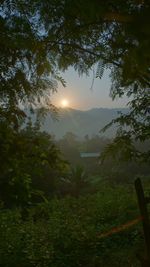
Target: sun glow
x=64, y=103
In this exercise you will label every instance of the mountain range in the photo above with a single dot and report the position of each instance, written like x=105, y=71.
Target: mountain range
x=80, y=122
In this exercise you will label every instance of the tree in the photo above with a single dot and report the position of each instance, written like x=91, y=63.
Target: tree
x=69, y=146
x=75, y=182
x=41, y=37
x=30, y=166
x=26, y=71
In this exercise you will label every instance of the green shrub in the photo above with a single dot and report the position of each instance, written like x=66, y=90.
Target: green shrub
x=68, y=232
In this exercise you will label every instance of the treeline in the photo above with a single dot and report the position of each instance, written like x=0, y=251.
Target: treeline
x=34, y=166
x=111, y=168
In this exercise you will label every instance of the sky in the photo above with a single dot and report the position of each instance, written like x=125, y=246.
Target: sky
x=79, y=95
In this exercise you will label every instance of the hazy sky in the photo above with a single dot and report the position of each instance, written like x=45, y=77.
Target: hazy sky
x=80, y=96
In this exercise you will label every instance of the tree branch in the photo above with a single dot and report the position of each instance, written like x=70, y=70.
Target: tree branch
x=89, y=52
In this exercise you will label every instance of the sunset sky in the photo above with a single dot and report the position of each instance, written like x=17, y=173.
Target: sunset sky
x=79, y=95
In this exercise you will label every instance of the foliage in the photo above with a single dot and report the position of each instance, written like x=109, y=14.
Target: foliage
x=69, y=147
x=40, y=38
x=30, y=164
x=75, y=182
x=68, y=232
x=133, y=127
x=111, y=165
x=25, y=69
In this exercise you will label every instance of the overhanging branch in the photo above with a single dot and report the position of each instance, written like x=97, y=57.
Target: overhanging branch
x=99, y=56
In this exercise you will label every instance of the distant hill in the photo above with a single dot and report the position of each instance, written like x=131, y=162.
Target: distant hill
x=80, y=122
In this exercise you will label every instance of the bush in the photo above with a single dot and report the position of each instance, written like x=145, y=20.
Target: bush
x=68, y=232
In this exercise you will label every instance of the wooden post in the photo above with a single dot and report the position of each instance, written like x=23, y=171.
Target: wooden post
x=143, y=201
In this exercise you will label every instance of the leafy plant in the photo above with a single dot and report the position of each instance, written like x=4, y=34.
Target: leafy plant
x=74, y=232
x=30, y=165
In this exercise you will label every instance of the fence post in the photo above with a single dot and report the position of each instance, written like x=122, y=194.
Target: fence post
x=142, y=202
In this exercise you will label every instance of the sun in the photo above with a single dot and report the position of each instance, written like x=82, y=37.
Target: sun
x=64, y=103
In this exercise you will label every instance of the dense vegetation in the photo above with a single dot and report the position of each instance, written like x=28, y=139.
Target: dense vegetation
x=57, y=210
x=74, y=231
x=113, y=168
x=40, y=38
x=53, y=213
